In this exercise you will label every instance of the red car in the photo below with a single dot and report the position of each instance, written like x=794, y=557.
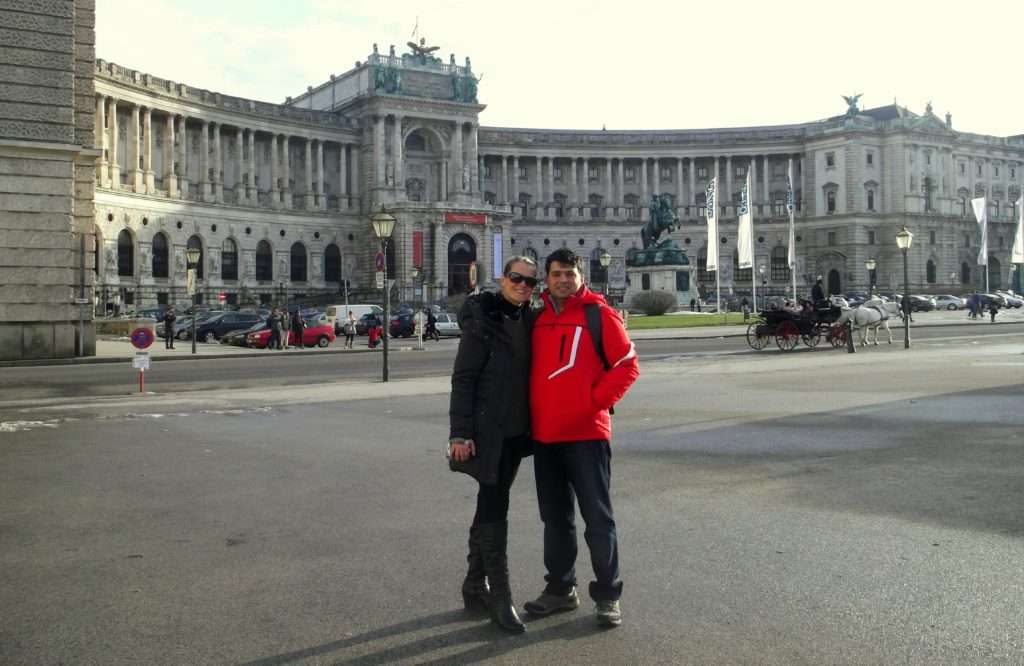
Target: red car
x=314, y=336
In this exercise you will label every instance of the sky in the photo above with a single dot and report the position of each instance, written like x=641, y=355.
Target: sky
x=635, y=65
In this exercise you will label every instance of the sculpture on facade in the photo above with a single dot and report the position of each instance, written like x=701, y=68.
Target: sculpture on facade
x=662, y=219
x=421, y=52
x=851, y=103
x=387, y=78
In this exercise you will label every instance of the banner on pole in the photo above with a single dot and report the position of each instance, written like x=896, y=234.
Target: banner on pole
x=711, y=207
x=980, y=206
x=791, y=209
x=745, y=242
x=1017, y=253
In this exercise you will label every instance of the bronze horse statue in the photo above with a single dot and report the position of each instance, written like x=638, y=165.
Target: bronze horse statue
x=662, y=218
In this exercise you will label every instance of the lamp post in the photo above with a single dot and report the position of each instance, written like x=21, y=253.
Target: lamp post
x=903, y=240
x=870, y=265
x=383, y=226
x=605, y=260
x=764, y=287
x=193, y=254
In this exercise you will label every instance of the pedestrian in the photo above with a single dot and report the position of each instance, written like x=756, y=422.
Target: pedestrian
x=582, y=363
x=286, y=328
x=908, y=311
x=169, y=319
x=373, y=333
x=993, y=310
x=693, y=305
x=274, y=323
x=432, y=325
x=818, y=294
x=490, y=426
x=298, y=328
x=349, y=329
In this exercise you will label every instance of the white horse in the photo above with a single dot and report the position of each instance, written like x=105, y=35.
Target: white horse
x=870, y=316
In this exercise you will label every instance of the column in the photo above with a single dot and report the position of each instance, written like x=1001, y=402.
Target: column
x=355, y=190
x=286, y=171
x=503, y=191
x=397, y=153
x=515, y=179
x=342, y=176
x=170, y=180
x=718, y=193
x=692, y=199
x=643, y=183
x=379, y=165
x=803, y=184
x=115, y=168
x=728, y=179
x=478, y=181
x=102, y=168
x=134, y=171
x=541, y=200
x=766, y=193
x=204, y=163
x=455, y=178
x=656, y=190
x=321, y=199
x=147, y=151
x=183, y=185
x=574, y=190
x=239, y=169
x=475, y=179
x=622, y=182
x=608, y=200
x=680, y=199
x=218, y=166
x=252, y=192
x=551, y=178
x=440, y=253
x=275, y=190
x=586, y=182
x=308, y=190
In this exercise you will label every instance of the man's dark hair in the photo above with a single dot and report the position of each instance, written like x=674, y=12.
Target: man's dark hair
x=562, y=255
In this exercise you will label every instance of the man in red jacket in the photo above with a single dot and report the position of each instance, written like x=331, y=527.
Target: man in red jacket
x=571, y=392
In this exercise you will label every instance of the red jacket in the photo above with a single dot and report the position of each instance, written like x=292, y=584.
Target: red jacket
x=570, y=391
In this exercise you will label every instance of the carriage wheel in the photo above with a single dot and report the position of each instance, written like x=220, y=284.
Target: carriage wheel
x=811, y=339
x=837, y=336
x=757, y=335
x=787, y=336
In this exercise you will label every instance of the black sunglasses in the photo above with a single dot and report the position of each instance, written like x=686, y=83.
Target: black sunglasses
x=518, y=278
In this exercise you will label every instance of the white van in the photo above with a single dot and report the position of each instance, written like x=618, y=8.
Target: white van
x=337, y=314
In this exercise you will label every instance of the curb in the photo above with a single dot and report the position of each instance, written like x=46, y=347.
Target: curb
x=744, y=333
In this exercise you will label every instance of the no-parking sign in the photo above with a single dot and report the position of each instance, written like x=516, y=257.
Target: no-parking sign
x=142, y=338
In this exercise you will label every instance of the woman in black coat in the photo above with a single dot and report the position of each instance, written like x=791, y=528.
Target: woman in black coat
x=490, y=424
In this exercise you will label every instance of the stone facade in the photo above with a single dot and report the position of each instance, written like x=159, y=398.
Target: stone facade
x=278, y=197
x=46, y=178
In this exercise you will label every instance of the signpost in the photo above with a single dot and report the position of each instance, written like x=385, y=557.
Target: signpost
x=141, y=338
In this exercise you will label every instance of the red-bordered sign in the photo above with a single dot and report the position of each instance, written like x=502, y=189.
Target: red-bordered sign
x=465, y=218
x=142, y=338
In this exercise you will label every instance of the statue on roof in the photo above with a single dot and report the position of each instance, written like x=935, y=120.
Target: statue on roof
x=421, y=52
x=851, y=103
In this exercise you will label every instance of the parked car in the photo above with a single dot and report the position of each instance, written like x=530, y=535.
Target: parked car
x=239, y=338
x=403, y=325
x=989, y=299
x=1012, y=299
x=366, y=321
x=214, y=327
x=950, y=302
x=314, y=336
x=921, y=303
x=448, y=324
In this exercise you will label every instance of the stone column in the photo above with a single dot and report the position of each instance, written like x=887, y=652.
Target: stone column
x=803, y=182
x=170, y=180
x=218, y=166
x=440, y=255
x=205, y=191
x=355, y=191
x=643, y=184
x=252, y=190
x=115, y=168
x=728, y=180
x=147, y=151
x=692, y=199
x=478, y=180
x=680, y=198
x=718, y=193
x=622, y=182
x=380, y=167
x=135, y=173
x=342, y=176
x=321, y=199
x=474, y=158
x=286, y=170
x=766, y=193
x=574, y=187
x=240, y=197
x=541, y=200
x=100, y=141
x=656, y=176
x=275, y=190
x=586, y=181
x=503, y=180
x=455, y=178
x=308, y=157
x=398, y=153
x=515, y=179
x=551, y=178
x=183, y=185
x=608, y=201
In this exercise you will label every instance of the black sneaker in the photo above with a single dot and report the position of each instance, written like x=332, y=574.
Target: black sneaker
x=609, y=614
x=546, y=604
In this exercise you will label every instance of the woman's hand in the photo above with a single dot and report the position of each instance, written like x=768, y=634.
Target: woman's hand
x=461, y=451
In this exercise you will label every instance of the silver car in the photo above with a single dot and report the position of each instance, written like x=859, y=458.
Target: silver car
x=950, y=302
x=448, y=325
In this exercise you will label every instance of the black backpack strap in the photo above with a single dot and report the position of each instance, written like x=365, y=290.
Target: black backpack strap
x=592, y=311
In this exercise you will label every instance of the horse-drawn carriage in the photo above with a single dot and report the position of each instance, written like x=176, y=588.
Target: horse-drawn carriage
x=788, y=327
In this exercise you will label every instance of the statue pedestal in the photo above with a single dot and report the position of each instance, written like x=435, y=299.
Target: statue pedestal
x=672, y=278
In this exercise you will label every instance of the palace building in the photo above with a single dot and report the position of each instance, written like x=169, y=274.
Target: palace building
x=277, y=197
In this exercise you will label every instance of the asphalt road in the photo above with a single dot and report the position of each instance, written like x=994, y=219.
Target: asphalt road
x=31, y=383
x=811, y=508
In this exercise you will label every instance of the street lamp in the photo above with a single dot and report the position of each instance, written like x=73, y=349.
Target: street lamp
x=193, y=254
x=870, y=265
x=383, y=226
x=605, y=260
x=903, y=240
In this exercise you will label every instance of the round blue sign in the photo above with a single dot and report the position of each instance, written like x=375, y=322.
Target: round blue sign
x=142, y=338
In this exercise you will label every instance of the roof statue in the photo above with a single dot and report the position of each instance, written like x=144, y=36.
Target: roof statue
x=851, y=103
x=421, y=51
x=928, y=107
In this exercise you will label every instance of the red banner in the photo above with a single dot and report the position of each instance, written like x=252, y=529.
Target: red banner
x=417, y=249
x=465, y=218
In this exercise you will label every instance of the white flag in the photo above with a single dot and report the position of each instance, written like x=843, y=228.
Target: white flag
x=980, y=206
x=791, y=209
x=711, y=207
x=746, y=227
x=1017, y=253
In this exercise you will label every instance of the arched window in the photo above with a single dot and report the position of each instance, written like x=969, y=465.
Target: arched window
x=264, y=262
x=702, y=266
x=125, y=254
x=830, y=201
x=871, y=200
x=332, y=263
x=930, y=272
x=229, y=260
x=194, y=243
x=598, y=273
x=965, y=273
x=160, y=256
x=298, y=262
x=780, y=264
x=995, y=280
x=740, y=274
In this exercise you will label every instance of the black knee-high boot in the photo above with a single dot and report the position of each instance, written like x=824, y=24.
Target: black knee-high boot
x=474, y=588
x=494, y=544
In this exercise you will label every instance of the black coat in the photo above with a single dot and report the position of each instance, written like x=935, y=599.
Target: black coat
x=480, y=393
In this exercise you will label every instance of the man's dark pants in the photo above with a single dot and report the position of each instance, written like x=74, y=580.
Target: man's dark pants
x=583, y=467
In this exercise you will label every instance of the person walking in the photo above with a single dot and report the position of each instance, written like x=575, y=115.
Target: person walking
x=286, y=327
x=582, y=364
x=431, y=331
x=993, y=310
x=908, y=310
x=169, y=319
x=490, y=426
x=349, y=329
x=274, y=324
x=298, y=328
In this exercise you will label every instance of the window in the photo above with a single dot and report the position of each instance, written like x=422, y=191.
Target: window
x=928, y=159
x=996, y=171
x=666, y=175
x=830, y=160
x=161, y=298
x=630, y=174
x=931, y=238
x=965, y=273
x=558, y=173
x=332, y=263
x=702, y=172
x=740, y=274
x=741, y=172
x=979, y=169
x=595, y=202
x=645, y=281
x=298, y=273
x=490, y=197
x=682, y=281
x=592, y=174
x=522, y=174
x=229, y=260
x=871, y=201
x=160, y=256
x=871, y=158
x=967, y=240
x=125, y=254
x=1013, y=173
x=194, y=243
x=871, y=237
x=830, y=199
x=264, y=262
x=487, y=172
x=780, y=264
x=930, y=272
x=831, y=239
x=963, y=168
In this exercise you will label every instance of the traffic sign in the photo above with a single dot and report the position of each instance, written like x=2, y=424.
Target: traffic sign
x=222, y=296
x=141, y=361
x=379, y=261
x=142, y=337
x=380, y=279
